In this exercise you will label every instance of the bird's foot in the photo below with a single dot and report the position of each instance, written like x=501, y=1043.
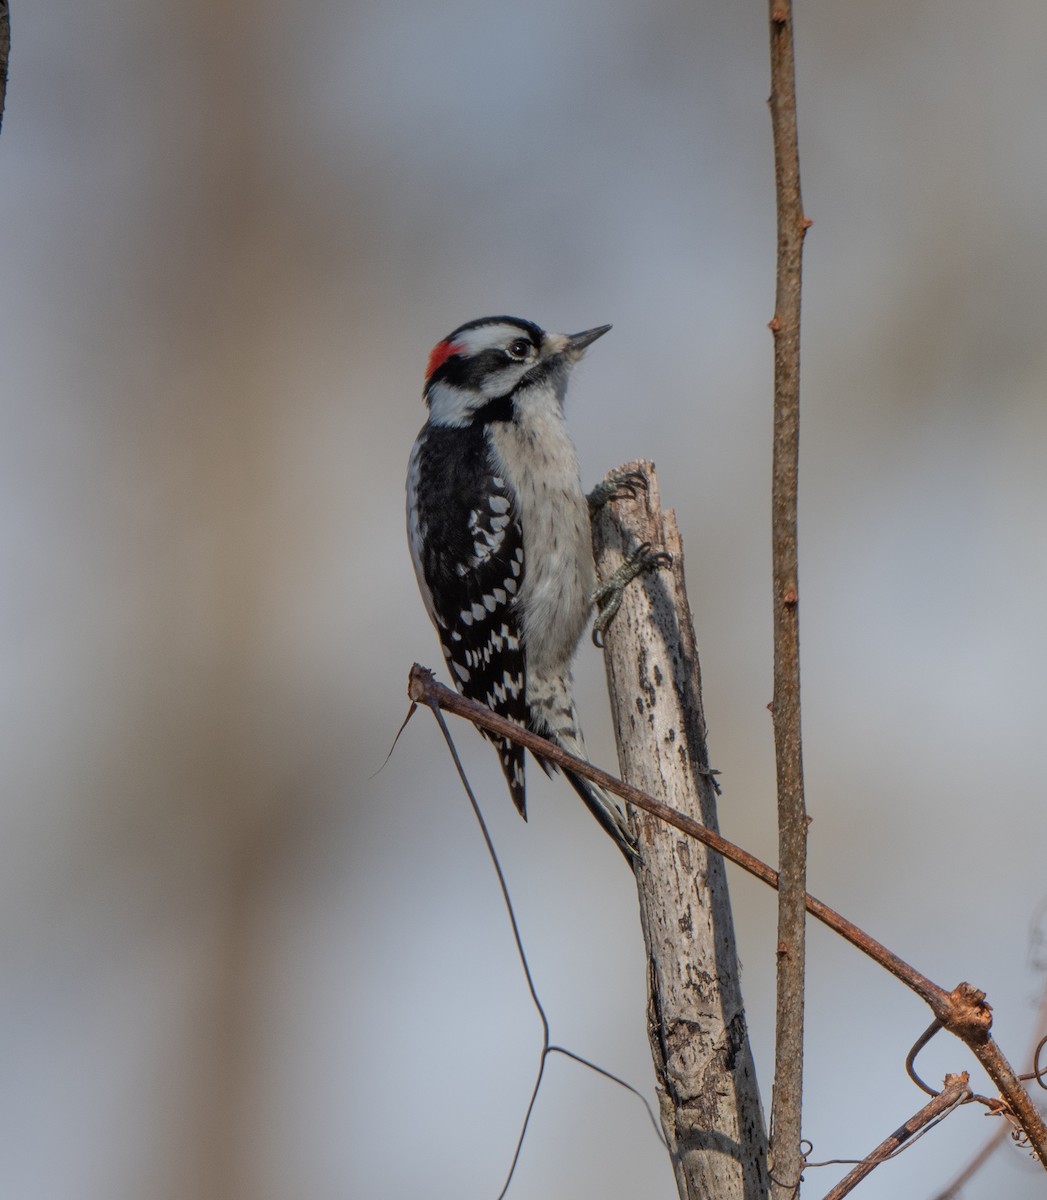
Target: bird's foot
x=618, y=485
x=608, y=597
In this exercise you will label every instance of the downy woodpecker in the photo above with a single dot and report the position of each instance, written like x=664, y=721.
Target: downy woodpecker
x=500, y=534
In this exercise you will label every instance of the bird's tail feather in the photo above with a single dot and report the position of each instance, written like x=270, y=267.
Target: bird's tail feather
x=607, y=812
x=554, y=716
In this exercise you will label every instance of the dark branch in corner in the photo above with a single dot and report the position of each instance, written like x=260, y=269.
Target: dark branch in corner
x=5, y=53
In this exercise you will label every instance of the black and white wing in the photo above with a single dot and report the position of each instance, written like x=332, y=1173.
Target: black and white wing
x=467, y=549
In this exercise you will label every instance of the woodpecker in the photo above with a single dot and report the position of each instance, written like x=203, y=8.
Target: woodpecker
x=500, y=535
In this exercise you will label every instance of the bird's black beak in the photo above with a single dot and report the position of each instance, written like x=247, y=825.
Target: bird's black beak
x=577, y=342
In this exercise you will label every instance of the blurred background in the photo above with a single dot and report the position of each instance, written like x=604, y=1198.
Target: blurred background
x=239, y=964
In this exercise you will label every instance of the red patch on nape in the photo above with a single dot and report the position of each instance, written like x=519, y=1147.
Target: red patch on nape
x=442, y=351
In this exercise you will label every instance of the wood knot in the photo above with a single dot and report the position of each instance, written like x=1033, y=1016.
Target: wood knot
x=970, y=1018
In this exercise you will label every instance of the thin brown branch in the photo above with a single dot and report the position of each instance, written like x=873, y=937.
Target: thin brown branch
x=423, y=688
x=786, y=1103
x=963, y=1011
x=1015, y=1102
x=954, y=1093
x=999, y=1135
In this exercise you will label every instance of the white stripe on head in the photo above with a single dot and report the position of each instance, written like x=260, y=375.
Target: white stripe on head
x=484, y=337
x=450, y=405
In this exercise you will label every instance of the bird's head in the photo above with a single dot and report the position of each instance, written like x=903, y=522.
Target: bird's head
x=474, y=373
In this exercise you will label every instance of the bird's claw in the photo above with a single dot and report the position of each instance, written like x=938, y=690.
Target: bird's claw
x=618, y=485
x=608, y=597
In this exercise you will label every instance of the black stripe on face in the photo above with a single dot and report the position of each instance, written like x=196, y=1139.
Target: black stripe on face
x=472, y=374
x=469, y=372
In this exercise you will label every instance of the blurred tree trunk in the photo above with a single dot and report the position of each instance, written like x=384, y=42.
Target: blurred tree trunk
x=709, y=1101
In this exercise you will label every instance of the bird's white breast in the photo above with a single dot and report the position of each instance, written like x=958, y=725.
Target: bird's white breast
x=538, y=460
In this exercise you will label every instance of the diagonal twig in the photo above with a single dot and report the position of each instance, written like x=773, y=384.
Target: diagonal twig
x=962, y=1011
x=953, y=1094
x=981, y=1156
x=424, y=688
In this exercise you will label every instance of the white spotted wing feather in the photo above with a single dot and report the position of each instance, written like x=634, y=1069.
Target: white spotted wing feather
x=469, y=558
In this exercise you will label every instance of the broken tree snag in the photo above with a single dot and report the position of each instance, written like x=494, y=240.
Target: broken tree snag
x=710, y=1105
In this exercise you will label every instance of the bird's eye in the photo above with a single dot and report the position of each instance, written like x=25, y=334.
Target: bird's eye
x=519, y=348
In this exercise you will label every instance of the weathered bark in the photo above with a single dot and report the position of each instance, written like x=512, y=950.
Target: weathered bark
x=710, y=1104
